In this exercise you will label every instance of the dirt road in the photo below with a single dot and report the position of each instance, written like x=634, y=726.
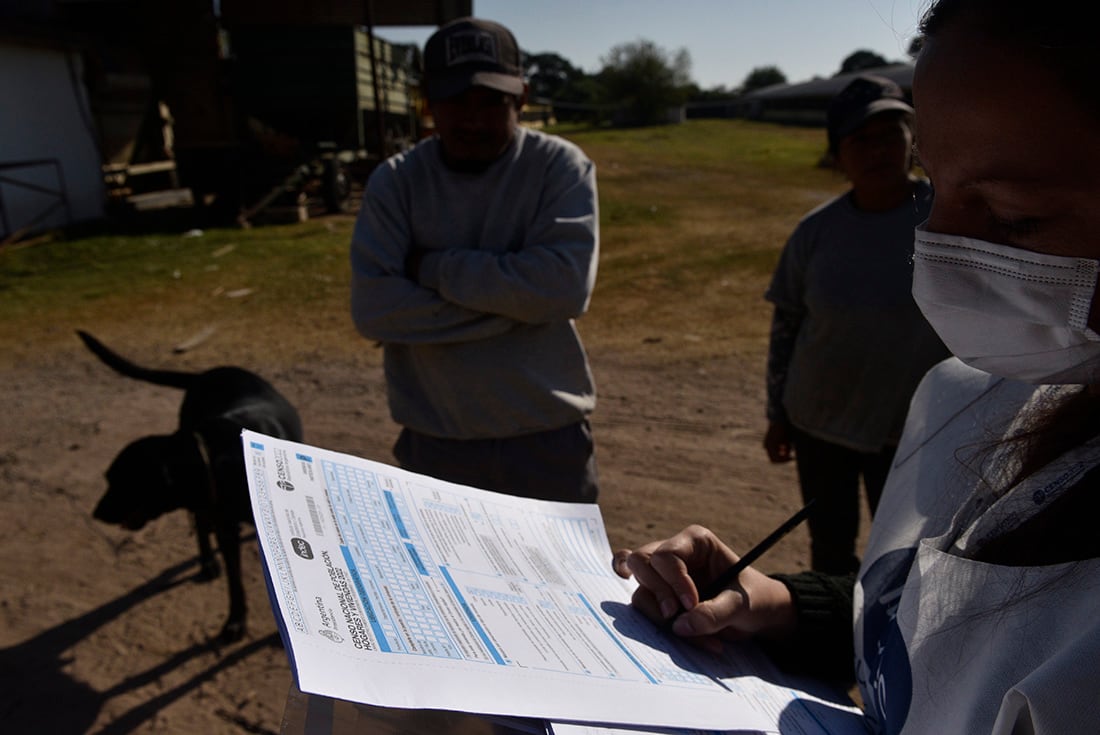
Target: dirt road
x=106, y=631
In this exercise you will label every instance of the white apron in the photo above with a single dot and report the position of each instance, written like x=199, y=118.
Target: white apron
x=947, y=644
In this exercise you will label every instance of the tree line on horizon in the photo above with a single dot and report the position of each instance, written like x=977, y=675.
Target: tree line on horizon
x=643, y=80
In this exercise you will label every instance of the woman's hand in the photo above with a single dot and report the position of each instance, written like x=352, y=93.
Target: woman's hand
x=670, y=574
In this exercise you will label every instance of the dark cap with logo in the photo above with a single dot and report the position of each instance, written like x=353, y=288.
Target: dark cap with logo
x=470, y=52
x=866, y=95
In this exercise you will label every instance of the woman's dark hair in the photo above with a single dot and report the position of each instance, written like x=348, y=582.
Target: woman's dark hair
x=1050, y=24
x=1063, y=532
x=1050, y=430
x=1060, y=33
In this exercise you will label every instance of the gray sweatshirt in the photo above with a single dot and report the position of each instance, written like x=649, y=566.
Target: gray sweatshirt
x=484, y=346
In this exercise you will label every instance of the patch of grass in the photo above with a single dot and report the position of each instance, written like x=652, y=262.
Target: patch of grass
x=243, y=282
x=617, y=212
x=692, y=220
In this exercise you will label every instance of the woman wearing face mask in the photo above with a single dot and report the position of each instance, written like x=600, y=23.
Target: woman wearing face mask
x=976, y=605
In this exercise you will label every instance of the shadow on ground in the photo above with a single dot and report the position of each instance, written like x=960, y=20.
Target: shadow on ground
x=40, y=697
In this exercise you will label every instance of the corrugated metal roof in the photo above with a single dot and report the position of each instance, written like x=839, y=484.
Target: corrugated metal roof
x=829, y=87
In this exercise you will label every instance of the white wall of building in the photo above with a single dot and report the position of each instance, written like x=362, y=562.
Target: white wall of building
x=44, y=116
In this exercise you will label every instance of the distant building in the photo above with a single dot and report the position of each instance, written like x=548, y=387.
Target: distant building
x=803, y=103
x=50, y=173
x=129, y=105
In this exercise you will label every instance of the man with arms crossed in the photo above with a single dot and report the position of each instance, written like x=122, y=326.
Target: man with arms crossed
x=471, y=257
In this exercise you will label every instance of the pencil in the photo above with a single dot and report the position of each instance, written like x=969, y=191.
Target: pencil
x=730, y=576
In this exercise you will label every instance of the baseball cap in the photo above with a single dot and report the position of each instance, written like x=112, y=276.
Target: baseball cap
x=470, y=52
x=866, y=95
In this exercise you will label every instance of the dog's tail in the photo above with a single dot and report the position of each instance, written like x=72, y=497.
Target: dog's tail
x=172, y=378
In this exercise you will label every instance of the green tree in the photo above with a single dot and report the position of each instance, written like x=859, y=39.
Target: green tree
x=644, y=80
x=549, y=74
x=581, y=101
x=762, y=76
x=860, y=60
x=697, y=94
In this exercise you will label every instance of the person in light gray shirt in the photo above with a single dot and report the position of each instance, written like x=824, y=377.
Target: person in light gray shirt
x=472, y=256
x=849, y=344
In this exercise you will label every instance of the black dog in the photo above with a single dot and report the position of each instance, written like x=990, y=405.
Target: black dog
x=201, y=466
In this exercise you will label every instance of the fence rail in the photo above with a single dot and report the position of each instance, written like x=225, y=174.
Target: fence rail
x=55, y=198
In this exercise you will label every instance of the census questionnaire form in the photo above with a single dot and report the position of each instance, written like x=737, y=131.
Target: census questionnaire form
x=400, y=590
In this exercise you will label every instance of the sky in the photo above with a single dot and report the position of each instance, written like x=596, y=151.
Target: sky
x=725, y=38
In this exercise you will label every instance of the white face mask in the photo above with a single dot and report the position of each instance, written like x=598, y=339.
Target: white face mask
x=1010, y=312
